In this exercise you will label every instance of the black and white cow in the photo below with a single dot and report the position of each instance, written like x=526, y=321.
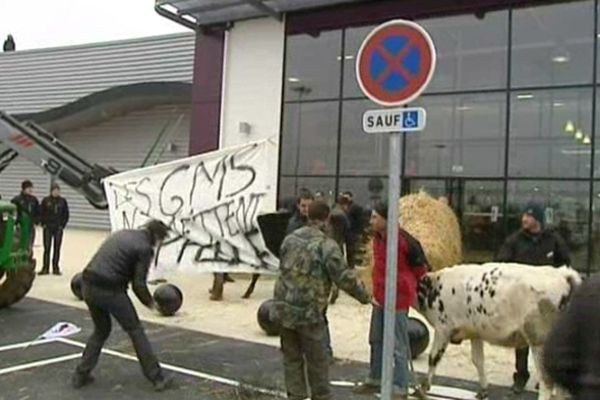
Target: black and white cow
x=510, y=305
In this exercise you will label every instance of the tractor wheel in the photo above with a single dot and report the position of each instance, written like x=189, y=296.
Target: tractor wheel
x=14, y=285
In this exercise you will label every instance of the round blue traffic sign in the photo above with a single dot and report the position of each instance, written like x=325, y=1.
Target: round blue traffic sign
x=395, y=63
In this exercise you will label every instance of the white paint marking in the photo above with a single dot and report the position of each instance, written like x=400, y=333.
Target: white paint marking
x=342, y=383
x=25, y=344
x=454, y=393
x=185, y=371
x=436, y=392
x=40, y=363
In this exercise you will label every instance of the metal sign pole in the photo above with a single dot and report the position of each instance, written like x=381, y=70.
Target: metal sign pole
x=391, y=274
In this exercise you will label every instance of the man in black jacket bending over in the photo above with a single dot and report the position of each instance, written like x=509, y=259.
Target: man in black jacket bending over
x=532, y=245
x=122, y=259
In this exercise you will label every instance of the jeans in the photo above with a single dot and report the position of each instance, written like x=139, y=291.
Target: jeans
x=103, y=304
x=401, y=373
x=52, y=235
x=305, y=359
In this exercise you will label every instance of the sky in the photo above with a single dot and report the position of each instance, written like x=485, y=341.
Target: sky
x=38, y=24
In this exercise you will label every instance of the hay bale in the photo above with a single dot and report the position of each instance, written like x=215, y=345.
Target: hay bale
x=434, y=224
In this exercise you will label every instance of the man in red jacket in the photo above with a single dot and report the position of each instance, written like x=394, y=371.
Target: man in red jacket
x=412, y=265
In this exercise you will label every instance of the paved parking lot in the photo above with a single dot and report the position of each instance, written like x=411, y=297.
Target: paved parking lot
x=204, y=366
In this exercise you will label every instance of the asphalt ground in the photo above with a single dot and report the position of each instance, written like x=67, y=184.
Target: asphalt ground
x=204, y=366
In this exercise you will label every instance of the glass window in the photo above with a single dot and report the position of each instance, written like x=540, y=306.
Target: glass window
x=309, y=138
x=366, y=190
x=482, y=220
x=313, y=66
x=566, y=210
x=595, y=267
x=289, y=187
x=553, y=44
x=433, y=187
x=361, y=153
x=597, y=144
x=464, y=136
x=471, y=52
x=478, y=206
x=353, y=40
x=550, y=133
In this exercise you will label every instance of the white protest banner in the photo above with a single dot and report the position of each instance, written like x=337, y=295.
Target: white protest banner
x=210, y=202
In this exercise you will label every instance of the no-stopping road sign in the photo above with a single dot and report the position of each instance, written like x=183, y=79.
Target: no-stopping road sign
x=395, y=63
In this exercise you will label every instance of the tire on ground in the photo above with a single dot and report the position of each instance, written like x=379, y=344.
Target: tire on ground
x=16, y=284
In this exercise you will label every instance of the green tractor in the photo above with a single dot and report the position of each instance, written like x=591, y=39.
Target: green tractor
x=17, y=265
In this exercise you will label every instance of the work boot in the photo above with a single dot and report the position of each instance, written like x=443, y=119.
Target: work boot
x=56, y=272
x=163, y=384
x=44, y=271
x=78, y=380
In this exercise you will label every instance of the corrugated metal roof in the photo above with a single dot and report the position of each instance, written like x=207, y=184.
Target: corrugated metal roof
x=209, y=12
x=37, y=80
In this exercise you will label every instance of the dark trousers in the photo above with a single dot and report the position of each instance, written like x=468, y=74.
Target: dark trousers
x=327, y=336
x=305, y=359
x=351, y=247
x=522, y=375
x=103, y=304
x=52, y=236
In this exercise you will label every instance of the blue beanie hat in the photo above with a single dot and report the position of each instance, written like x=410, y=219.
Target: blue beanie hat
x=536, y=211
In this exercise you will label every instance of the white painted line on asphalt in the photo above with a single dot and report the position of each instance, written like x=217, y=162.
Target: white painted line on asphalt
x=451, y=393
x=40, y=363
x=185, y=371
x=25, y=344
x=436, y=392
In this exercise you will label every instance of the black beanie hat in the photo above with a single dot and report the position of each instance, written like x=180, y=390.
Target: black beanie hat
x=536, y=211
x=381, y=208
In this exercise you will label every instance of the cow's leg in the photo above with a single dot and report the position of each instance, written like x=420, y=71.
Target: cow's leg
x=216, y=293
x=546, y=386
x=440, y=343
x=478, y=359
x=251, y=287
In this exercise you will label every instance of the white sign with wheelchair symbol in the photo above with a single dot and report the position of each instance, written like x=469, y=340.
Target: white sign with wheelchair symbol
x=394, y=120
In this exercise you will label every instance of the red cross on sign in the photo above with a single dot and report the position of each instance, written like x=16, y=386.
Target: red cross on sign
x=395, y=63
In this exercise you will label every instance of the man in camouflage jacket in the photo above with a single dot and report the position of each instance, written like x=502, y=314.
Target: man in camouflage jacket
x=309, y=263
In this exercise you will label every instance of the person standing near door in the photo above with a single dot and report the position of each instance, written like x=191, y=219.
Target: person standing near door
x=54, y=218
x=27, y=204
x=533, y=244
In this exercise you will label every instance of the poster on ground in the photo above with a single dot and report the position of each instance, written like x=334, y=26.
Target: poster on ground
x=210, y=202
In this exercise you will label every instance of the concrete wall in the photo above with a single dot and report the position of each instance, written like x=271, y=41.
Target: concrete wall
x=252, y=81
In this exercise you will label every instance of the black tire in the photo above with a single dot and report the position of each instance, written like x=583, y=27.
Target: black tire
x=16, y=284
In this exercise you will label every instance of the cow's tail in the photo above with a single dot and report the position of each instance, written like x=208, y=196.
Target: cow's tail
x=573, y=280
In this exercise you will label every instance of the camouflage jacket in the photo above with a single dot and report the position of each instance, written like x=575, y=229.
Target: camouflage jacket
x=309, y=263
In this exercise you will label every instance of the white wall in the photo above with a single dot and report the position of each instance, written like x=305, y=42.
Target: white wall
x=252, y=80
x=252, y=87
